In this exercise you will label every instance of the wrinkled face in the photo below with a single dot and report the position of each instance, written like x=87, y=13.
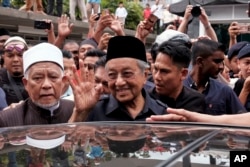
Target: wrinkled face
x=44, y=83
x=102, y=79
x=3, y=39
x=167, y=76
x=13, y=58
x=212, y=65
x=83, y=49
x=125, y=79
x=244, y=66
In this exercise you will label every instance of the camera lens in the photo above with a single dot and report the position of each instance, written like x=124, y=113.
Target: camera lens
x=196, y=11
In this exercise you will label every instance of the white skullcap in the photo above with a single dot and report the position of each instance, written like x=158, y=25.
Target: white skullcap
x=171, y=35
x=14, y=39
x=43, y=52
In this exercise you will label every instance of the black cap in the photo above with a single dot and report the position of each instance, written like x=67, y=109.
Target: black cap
x=244, y=52
x=126, y=46
x=234, y=50
x=89, y=41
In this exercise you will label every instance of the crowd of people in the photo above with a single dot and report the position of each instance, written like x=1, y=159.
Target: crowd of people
x=113, y=77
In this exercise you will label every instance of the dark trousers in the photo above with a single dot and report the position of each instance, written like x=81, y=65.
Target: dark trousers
x=51, y=5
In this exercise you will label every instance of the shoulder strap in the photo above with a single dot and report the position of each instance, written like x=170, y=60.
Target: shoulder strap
x=15, y=87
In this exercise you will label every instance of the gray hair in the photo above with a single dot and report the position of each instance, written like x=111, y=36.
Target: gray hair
x=142, y=65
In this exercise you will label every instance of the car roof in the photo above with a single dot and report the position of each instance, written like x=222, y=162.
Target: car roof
x=128, y=143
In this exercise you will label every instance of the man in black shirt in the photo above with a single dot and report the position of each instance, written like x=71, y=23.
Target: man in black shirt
x=169, y=70
x=11, y=76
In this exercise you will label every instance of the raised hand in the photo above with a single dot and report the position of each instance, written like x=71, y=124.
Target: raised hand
x=103, y=43
x=64, y=27
x=142, y=32
x=86, y=95
x=116, y=26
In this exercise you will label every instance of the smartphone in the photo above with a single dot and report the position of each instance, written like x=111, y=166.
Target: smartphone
x=244, y=28
x=248, y=9
x=38, y=24
x=150, y=22
x=98, y=16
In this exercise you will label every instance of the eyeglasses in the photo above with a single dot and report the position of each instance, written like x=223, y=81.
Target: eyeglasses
x=17, y=47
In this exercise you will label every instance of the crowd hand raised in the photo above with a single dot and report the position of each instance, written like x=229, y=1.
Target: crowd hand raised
x=116, y=26
x=103, y=43
x=86, y=94
x=141, y=32
x=51, y=30
x=92, y=20
x=64, y=27
x=104, y=21
x=234, y=30
x=203, y=17
x=246, y=86
x=187, y=13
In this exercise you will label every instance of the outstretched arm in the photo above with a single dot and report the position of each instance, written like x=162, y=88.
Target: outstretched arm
x=185, y=115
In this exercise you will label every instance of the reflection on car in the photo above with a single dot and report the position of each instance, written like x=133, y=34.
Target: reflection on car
x=115, y=144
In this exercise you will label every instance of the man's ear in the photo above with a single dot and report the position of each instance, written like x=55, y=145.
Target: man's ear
x=146, y=74
x=184, y=73
x=64, y=79
x=200, y=61
x=238, y=63
x=25, y=81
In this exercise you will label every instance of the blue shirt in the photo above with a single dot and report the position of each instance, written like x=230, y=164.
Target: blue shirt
x=220, y=99
x=3, y=102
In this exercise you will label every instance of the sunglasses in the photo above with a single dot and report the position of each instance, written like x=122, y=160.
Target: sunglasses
x=17, y=47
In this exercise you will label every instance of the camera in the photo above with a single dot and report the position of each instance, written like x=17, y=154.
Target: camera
x=41, y=25
x=196, y=11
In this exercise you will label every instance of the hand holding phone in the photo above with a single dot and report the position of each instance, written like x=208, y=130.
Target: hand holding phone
x=244, y=28
x=40, y=24
x=150, y=22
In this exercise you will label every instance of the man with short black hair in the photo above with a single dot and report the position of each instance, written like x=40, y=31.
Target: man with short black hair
x=170, y=68
x=207, y=61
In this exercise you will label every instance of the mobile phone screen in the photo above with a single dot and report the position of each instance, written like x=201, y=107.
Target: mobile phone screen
x=150, y=22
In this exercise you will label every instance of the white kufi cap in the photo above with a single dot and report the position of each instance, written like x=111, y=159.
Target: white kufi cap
x=43, y=52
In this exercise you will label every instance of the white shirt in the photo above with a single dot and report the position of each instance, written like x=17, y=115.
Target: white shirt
x=158, y=10
x=121, y=12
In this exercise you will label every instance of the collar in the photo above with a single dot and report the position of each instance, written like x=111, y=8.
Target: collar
x=45, y=112
x=171, y=102
x=192, y=84
x=150, y=105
